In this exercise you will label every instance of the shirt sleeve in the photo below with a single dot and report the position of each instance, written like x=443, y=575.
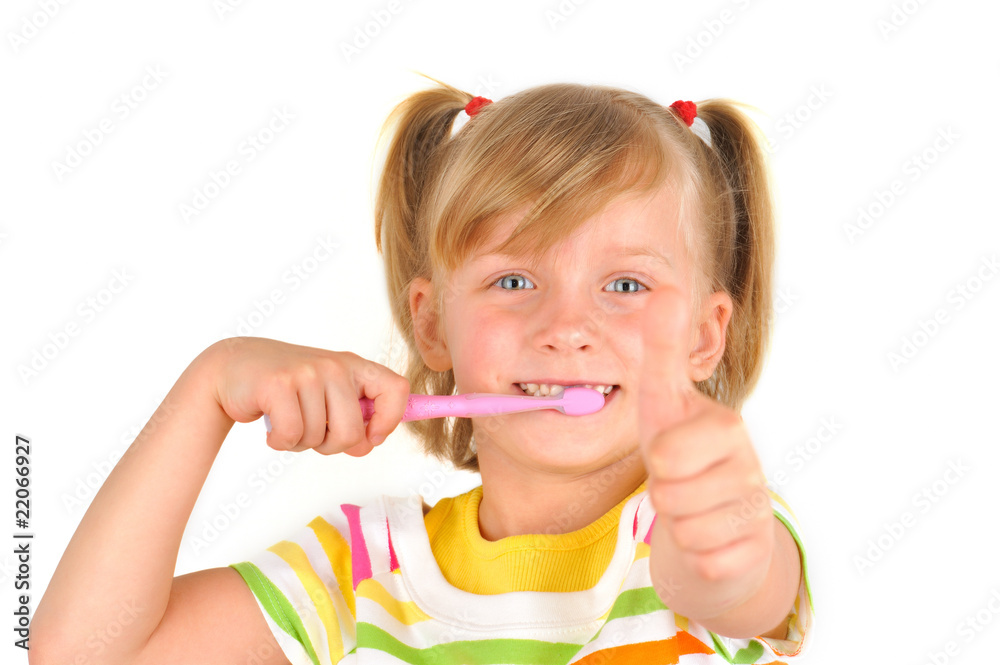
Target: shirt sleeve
x=798, y=621
x=303, y=586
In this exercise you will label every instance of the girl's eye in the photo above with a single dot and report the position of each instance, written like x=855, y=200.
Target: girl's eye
x=628, y=288
x=508, y=279
x=509, y=282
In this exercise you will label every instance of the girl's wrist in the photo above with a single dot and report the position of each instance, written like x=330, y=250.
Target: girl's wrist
x=207, y=371
x=198, y=385
x=706, y=601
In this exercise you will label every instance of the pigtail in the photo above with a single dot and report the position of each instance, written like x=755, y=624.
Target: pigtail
x=416, y=130
x=743, y=244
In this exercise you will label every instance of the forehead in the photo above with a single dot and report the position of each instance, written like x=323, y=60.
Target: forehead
x=646, y=225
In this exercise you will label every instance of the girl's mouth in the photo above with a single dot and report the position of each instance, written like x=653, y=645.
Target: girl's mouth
x=553, y=390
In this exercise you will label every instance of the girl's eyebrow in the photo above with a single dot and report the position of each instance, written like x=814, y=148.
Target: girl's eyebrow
x=641, y=251
x=614, y=251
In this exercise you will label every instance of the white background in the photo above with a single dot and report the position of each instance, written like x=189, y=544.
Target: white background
x=863, y=102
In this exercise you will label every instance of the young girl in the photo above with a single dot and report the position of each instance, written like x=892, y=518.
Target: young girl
x=566, y=235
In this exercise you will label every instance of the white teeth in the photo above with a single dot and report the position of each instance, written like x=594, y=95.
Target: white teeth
x=544, y=390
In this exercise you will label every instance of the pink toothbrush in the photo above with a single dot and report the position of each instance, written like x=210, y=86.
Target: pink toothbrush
x=577, y=401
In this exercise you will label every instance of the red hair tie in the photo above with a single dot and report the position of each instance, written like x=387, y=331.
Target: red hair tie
x=686, y=110
x=472, y=108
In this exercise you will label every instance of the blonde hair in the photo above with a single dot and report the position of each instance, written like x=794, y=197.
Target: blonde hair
x=569, y=150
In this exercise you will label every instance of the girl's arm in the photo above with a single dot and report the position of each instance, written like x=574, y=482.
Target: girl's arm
x=761, y=614
x=113, y=597
x=113, y=583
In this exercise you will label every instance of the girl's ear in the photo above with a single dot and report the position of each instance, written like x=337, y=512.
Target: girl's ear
x=711, y=338
x=426, y=326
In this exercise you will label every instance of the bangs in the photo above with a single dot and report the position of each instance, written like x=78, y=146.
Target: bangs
x=563, y=154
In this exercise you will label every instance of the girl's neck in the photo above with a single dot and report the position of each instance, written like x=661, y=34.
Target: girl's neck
x=516, y=502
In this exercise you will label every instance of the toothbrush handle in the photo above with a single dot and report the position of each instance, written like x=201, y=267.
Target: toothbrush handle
x=422, y=407
x=418, y=407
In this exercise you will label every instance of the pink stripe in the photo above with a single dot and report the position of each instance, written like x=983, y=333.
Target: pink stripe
x=361, y=563
x=650, y=532
x=393, y=564
x=635, y=524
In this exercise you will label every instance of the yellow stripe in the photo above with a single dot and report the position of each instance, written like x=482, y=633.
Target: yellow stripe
x=405, y=613
x=641, y=551
x=777, y=498
x=681, y=621
x=296, y=557
x=339, y=553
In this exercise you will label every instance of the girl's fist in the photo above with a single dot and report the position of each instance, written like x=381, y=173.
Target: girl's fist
x=310, y=395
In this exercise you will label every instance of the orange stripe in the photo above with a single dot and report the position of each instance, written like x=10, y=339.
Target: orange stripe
x=661, y=651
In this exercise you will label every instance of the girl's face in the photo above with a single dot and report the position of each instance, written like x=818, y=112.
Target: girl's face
x=575, y=318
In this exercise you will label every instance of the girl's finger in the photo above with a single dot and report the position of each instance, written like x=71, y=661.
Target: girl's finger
x=285, y=415
x=344, y=415
x=313, y=403
x=664, y=386
x=360, y=450
x=390, y=394
x=717, y=486
x=692, y=447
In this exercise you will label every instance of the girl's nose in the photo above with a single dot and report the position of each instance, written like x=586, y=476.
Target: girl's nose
x=572, y=323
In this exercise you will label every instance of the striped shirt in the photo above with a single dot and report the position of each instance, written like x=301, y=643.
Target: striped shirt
x=391, y=582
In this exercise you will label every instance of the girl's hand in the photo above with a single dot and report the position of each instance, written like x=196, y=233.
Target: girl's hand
x=310, y=395
x=705, y=481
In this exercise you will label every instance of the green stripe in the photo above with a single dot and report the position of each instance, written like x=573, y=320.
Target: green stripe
x=748, y=655
x=632, y=603
x=751, y=651
x=720, y=648
x=802, y=554
x=277, y=606
x=469, y=652
x=636, y=601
